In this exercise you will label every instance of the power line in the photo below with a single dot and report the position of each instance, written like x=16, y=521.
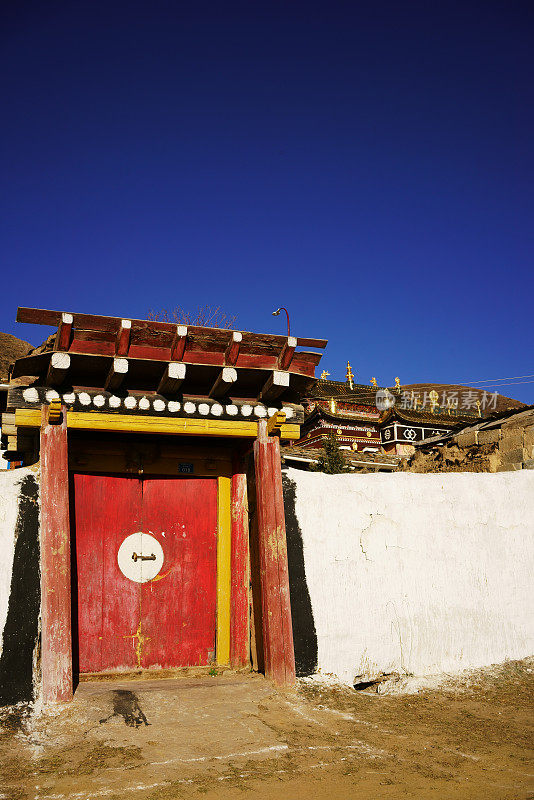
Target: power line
x=513, y=378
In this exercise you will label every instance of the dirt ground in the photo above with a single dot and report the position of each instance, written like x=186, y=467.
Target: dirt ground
x=232, y=736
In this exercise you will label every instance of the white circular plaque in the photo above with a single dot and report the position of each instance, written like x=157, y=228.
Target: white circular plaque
x=140, y=557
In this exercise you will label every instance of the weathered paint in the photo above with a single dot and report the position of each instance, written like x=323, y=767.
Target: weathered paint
x=107, y=510
x=239, y=623
x=304, y=633
x=224, y=533
x=20, y=585
x=165, y=622
x=417, y=573
x=178, y=605
x=56, y=635
x=276, y=610
x=10, y=484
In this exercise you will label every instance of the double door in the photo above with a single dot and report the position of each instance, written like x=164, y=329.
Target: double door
x=145, y=564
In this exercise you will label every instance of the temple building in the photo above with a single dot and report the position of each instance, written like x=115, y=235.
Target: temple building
x=401, y=428
x=347, y=408
x=373, y=419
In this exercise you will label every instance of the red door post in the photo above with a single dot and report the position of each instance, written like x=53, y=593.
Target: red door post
x=276, y=609
x=56, y=633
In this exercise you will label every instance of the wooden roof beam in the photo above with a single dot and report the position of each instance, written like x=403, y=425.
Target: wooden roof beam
x=94, y=322
x=117, y=373
x=179, y=343
x=57, y=369
x=122, y=342
x=276, y=384
x=64, y=333
x=288, y=351
x=172, y=378
x=232, y=351
x=275, y=422
x=225, y=379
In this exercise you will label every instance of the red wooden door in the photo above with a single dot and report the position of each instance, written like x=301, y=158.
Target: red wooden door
x=154, y=606
x=107, y=510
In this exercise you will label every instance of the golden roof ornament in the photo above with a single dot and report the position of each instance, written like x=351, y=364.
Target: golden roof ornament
x=374, y=383
x=434, y=399
x=478, y=408
x=324, y=375
x=333, y=406
x=397, y=385
x=350, y=376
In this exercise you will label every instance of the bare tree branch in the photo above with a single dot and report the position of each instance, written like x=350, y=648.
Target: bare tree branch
x=204, y=316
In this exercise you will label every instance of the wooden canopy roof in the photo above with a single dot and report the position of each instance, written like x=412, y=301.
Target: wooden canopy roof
x=161, y=357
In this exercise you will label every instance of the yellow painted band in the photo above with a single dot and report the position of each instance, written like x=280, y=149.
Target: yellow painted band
x=224, y=528
x=126, y=423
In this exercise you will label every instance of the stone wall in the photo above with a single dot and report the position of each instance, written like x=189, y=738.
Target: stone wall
x=494, y=446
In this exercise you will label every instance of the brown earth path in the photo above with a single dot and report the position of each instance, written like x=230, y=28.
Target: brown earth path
x=235, y=736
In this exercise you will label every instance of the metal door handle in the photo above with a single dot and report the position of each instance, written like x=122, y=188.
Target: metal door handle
x=135, y=557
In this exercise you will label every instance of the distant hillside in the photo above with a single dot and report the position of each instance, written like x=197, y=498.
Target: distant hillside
x=11, y=348
x=502, y=403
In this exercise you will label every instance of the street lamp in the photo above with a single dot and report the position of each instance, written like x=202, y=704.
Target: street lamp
x=277, y=313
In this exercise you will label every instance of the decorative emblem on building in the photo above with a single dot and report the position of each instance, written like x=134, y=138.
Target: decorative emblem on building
x=350, y=376
x=410, y=434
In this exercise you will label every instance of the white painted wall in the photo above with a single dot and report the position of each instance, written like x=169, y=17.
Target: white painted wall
x=10, y=482
x=418, y=573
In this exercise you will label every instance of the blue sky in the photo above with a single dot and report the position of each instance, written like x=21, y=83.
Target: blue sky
x=368, y=165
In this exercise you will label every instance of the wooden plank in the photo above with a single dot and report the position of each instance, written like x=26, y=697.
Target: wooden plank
x=224, y=532
x=38, y=316
x=64, y=333
x=276, y=609
x=8, y=426
x=57, y=368
x=117, y=373
x=232, y=351
x=223, y=383
x=101, y=421
x=172, y=378
x=179, y=343
x=275, y=422
x=107, y=509
x=54, y=412
x=178, y=607
x=108, y=402
x=288, y=351
x=122, y=341
x=56, y=635
x=275, y=386
x=239, y=626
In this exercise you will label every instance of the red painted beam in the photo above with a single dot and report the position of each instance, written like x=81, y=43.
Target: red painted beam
x=239, y=618
x=64, y=333
x=232, y=351
x=122, y=342
x=276, y=608
x=56, y=634
x=288, y=351
x=179, y=343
